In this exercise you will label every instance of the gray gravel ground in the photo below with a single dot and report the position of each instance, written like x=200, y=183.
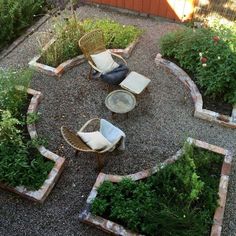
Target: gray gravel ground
x=155, y=129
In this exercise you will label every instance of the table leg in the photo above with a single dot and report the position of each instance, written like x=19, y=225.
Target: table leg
x=112, y=115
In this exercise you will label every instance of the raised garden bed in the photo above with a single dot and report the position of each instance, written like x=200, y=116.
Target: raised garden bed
x=117, y=229
x=67, y=65
x=41, y=194
x=200, y=112
x=38, y=64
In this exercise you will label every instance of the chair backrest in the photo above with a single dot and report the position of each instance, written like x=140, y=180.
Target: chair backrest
x=73, y=140
x=92, y=43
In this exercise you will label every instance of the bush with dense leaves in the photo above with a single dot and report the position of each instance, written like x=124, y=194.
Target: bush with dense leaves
x=68, y=33
x=20, y=161
x=116, y=35
x=209, y=54
x=180, y=199
x=15, y=15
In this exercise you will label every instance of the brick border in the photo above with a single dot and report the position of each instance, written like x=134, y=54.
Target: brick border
x=196, y=95
x=65, y=66
x=28, y=32
x=116, y=229
x=41, y=194
x=126, y=53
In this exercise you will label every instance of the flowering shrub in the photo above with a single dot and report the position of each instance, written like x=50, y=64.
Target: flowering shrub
x=207, y=54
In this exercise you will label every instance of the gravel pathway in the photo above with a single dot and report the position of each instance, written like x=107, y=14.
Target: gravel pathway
x=155, y=129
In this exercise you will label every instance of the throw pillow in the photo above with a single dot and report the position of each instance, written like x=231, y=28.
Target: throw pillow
x=104, y=61
x=94, y=140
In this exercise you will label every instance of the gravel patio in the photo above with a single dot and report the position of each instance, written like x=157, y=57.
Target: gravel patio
x=155, y=130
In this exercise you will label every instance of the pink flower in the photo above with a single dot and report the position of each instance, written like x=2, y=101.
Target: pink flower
x=203, y=60
x=216, y=38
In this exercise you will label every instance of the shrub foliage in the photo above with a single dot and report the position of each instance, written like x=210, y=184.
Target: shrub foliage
x=68, y=33
x=180, y=199
x=15, y=15
x=209, y=54
x=20, y=161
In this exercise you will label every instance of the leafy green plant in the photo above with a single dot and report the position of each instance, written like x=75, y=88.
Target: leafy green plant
x=209, y=54
x=20, y=161
x=116, y=35
x=15, y=15
x=180, y=199
x=32, y=118
x=17, y=167
x=13, y=90
x=68, y=33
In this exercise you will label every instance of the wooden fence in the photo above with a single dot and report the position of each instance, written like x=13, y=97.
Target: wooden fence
x=179, y=10
x=223, y=8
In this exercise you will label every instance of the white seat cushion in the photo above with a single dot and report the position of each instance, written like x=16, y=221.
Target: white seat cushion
x=135, y=82
x=94, y=140
x=104, y=61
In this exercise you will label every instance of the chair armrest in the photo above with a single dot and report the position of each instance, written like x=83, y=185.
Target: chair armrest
x=87, y=123
x=94, y=67
x=116, y=55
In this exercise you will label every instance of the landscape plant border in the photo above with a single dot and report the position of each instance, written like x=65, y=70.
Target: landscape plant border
x=199, y=112
x=108, y=226
x=65, y=66
x=41, y=194
x=5, y=52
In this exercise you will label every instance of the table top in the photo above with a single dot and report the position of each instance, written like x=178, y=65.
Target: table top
x=135, y=82
x=120, y=101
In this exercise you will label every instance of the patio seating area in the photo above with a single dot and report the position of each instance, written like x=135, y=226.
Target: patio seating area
x=155, y=129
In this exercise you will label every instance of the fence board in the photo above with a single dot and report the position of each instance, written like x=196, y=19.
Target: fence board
x=138, y=5
x=146, y=6
x=129, y=4
x=154, y=7
x=121, y=3
x=173, y=9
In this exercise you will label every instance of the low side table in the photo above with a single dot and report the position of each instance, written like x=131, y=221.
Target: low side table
x=120, y=101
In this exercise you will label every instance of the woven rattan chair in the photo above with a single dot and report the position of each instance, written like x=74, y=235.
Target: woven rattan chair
x=93, y=43
x=77, y=143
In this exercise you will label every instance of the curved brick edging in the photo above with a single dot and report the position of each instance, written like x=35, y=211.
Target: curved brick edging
x=52, y=71
x=116, y=229
x=126, y=53
x=65, y=66
x=41, y=194
x=196, y=95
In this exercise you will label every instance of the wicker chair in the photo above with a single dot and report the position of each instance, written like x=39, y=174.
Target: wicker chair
x=77, y=143
x=93, y=43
